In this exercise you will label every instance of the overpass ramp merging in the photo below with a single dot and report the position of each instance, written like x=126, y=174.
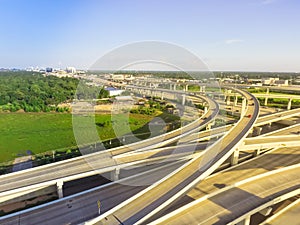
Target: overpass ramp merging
x=145, y=204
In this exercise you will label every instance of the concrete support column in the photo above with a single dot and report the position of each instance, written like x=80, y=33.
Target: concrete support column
x=266, y=211
x=162, y=95
x=269, y=125
x=256, y=152
x=235, y=100
x=268, y=91
x=114, y=175
x=244, y=103
x=174, y=87
x=257, y=131
x=205, y=109
x=246, y=221
x=228, y=100
x=234, y=159
x=250, y=134
x=289, y=106
x=170, y=86
x=59, y=185
x=183, y=99
x=208, y=126
x=186, y=87
x=201, y=89
x=266, y=101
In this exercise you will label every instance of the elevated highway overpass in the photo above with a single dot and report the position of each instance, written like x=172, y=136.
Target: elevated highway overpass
x=30, y=182
x=238, y=202
x=153, y=199
x=271, y=142
x=84, y=205
x=79, y=165
x=293, y=129
x=277, y=117
x=126, y=159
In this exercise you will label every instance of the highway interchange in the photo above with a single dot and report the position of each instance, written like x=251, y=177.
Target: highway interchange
x=177, y=186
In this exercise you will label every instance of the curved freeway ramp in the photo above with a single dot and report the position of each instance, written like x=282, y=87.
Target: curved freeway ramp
x=148, y=202
x=233, y=204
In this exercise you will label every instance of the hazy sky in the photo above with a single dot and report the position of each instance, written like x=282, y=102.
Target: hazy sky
x=256, y=35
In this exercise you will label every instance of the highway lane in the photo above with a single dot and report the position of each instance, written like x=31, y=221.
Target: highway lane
x=271, y=142
x=294, y=129
x=156, y=197
x=233, y=202
x=136, y=160
x=282, y=96
x=274, y=159
x=59, y=212
x=83, y=206
x=277, y=116
x=205, y=135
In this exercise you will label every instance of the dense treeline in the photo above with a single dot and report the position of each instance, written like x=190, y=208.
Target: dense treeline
x=34, y=92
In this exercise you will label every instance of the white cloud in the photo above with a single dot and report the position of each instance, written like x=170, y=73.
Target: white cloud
x=233, y=41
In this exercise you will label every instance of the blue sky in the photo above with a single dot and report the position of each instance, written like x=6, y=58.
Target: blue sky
x=252, y=35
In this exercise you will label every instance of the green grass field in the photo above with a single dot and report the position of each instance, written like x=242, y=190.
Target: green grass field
x=41, y=132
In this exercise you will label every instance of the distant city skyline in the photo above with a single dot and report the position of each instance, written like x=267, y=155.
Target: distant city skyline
x=233, y=35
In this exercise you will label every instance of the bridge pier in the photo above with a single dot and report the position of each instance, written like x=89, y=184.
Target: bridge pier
x=114, y=175
x=59, y=185
x=256, y=152
x=235, y=100
x=228, y=100
x=243, y=110
x=208, y=126
x=289, y=106
x=266, y=211
x=269, y=125
x=205, y=109
x=183, y=99
x=250, y=134
x=186, y=87
x=266, y=101
x=162, y=95
x=234, y=159
x=257, y=131
x=246, y=221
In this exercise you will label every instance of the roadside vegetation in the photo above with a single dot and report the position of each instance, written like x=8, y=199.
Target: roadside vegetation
x=42, y=132
x=33, y=92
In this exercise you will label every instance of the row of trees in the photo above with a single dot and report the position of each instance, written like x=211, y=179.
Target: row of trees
x=34, y=92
